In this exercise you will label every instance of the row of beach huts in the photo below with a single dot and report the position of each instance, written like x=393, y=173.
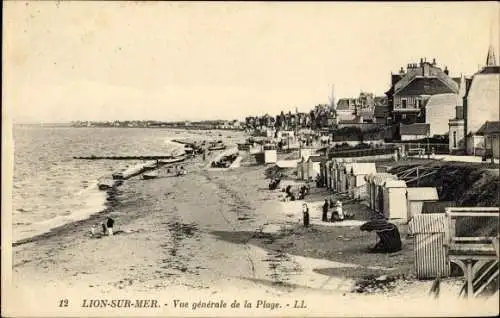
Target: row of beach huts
x=382, y=192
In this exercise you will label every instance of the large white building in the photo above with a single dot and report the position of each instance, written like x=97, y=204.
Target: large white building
x=481, y=103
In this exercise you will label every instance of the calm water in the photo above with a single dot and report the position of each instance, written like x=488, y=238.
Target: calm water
x=50, y=188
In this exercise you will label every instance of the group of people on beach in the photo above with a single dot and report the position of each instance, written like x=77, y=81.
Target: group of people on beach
x=337, y=215
x=303, y=192
x=178, y=171
x=107, y=228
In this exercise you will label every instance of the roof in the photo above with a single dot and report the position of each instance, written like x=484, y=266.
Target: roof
x=316, y=158
x=427, y=86
x=363, y=168
x=437, y=76
x=490, y=70
x=489, y=127
x=428, y=223
x=437, y=206
x=380, y=177
x=347, y=167
x=395, y=184
x=422, y=194
x=418, y=129
x=345, y=103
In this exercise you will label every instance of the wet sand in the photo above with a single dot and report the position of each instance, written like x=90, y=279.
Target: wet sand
x=211, y=233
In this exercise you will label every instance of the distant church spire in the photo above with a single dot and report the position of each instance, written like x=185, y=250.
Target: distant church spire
x=490, y=59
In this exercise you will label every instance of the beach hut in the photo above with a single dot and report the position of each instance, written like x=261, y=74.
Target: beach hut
x=313, y=167
x=270, y=153
x=356, y=177
x=429, y=235
x=305, y=153
x=377, y=194
x=300, y=170
x=370, y=190
x=395, y=199
x=344, y=177
x=336, y=175
x=415, y=198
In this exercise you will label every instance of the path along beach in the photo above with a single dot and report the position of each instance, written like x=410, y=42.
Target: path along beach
x=210, y=234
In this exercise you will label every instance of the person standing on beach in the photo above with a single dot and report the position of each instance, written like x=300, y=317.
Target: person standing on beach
x=325, y=211
x=305, y=211
x=109, y=224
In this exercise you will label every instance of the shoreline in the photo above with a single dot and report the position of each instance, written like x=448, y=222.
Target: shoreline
x=208, y=237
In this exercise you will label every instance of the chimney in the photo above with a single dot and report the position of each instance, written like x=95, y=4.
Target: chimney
x=401, y=71
x=434, y=62
x=421, y=61
x=446, y=70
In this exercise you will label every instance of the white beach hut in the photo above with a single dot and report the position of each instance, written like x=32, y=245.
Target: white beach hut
x=415, y=198
x=395, y=206
x=270, y=153
x=357, y=181
x=315, y=166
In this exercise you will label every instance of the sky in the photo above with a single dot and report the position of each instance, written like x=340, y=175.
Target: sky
x=193, y=61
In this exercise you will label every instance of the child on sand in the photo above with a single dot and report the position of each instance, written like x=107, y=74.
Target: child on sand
x=305, y=211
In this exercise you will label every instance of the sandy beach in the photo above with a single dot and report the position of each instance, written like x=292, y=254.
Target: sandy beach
x=214, y=233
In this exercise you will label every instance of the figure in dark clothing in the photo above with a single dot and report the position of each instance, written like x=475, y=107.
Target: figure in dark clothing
x=388, y=234
x=325, y=211
x=109, y=224
x=305, y=212
x=389, y=241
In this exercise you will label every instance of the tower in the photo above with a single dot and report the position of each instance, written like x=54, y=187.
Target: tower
x=333, y=105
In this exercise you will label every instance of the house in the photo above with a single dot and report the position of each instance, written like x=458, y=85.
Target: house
x=415, y=198
x=414, y=131
x=411, y=92
x=480, y=104
x=359, y=109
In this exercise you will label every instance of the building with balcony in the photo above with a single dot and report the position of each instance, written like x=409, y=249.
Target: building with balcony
x=413, y=98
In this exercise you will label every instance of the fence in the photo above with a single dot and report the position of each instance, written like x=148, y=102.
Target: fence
x=425, y=147
x=471, y=239
x=361, y=152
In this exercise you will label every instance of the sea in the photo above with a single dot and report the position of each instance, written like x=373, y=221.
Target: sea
x=50, y=188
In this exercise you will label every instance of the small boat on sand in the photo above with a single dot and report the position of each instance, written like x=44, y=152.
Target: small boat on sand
x=149, y=176
x=219, y=145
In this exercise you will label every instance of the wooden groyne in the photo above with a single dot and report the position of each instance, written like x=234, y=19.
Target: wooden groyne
x=148, y=157
x=117, y=178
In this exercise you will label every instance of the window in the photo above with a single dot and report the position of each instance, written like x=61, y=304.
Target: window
x=454, y=139
x=419, y=103
x=403, y=103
